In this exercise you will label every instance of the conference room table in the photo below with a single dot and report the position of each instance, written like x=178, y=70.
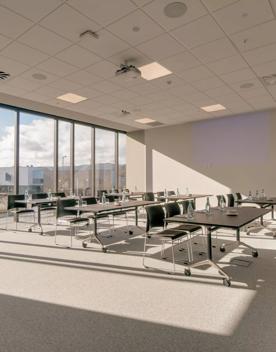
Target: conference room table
x=192, y=197
x=98, y=210
x=217, y=218
x=262, y=202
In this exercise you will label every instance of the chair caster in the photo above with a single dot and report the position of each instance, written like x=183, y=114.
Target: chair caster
x=130, y=232
x=30, y=230
x=226, y=282
x=187, y=272
x=84, y=245
x=104, y=249
x=222, y=249
x=255, y=254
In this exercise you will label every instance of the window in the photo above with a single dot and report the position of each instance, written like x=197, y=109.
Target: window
x=36, y=153
x=122, y=160
x=83, y=162
x=7, y=140
x=64, y=157
x=105, y=159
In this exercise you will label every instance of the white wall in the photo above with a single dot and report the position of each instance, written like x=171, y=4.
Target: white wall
x=215, y=156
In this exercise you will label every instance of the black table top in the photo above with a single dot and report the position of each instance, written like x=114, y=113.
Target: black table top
x=37, y=201
x=253, y=200
x=221, y=219
x=187, y=196
x=98, y=208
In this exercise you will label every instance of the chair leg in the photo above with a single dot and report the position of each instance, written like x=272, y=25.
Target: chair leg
x=56, y=233
x=144, y=253
x=173, y=260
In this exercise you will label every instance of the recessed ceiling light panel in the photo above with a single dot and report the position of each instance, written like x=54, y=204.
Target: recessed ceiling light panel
x=153, y=71
x=175, y=9
x=71, y=98
x=212, y=108
x=145, y=120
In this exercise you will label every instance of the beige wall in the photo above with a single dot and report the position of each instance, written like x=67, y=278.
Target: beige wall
x=215, y=156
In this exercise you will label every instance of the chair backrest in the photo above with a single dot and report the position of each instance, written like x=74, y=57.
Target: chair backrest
x=148, y=196
x=59, y=194
x=230, y=200
x=90, y=200
x=160, y=194
x=237, y=196
x=110, y=198
x=171, y=193
x=184, y=204
x=172, y=209
x=64, y=203
x=155, y=216
x=11, y=203
x=219, y=198
x=39, y=195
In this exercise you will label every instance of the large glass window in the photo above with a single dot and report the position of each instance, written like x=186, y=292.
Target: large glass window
x=83, y=165
x=105, y=159
x=64, y=157
x=36, y=153
x=7, y=139
x=122, y=160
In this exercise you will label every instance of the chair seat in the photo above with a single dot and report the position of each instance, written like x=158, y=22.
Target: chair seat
x=21, y=210
x=173, y=234
x=187, y=228
x=47, y=208
x=70, y=220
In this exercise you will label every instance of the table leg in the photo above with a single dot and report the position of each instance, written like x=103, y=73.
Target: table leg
x=95, y=235
x=272, y=212
x=136, y=216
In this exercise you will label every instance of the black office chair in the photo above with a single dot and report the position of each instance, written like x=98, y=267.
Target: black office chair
x=90, y=200
x=59, y=194
x=237, y=197
x=148, y=196
x=100, y=193
x=155, y=219
x=65, y=217
x=184, y=205
x=171, y=193
x=47, y=209
x=230, y=200
x=17, y=209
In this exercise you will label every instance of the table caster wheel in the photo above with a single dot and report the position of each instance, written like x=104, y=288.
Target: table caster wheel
x=187, y=272
x=226, y=282
x=222, y=249
x=84, y=245
x=255, y=254
x=104, y=250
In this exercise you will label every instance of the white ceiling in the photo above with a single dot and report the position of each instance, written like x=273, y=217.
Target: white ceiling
x=216, y=47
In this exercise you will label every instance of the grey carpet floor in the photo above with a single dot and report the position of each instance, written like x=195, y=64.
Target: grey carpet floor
x=56, y=299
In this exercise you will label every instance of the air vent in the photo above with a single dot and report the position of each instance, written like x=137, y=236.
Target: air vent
x=4, y=75
x=155, y=124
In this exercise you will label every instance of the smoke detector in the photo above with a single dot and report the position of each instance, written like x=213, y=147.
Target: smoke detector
x=175, y=9
x=128, y=71
x=4, y=75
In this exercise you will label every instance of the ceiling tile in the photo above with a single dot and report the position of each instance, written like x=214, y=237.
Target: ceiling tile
x=19, y=23
x=124, y=28
x=106, y=87
x=106, y=45
x=24, y=54
x=265, y=69
x=228, y=64
x=12, y=90
x=44, y=40
x=65, y=84
x=130, y=56
x=78, y=56
x=214, y=51
x=261, y=55
x=35, y=97
x=156, y=10
x=196, y=74
x=208, y=83
x=50, y=92
x=168, y=82
x=49, y=78
x=180, y=62
x=84, y=78
x=103, y=11
x=12, y=67
x=57, y=67
x=88, y=92
x=32, y=9
x=244, y=14
x=257, y=87
x=161, y=47
x=106, y=99
x=103, y=69
x=124, y=94
x=68, y=23
x=4, y=41
x=23, y=83
x=255, y=37
x=220, y=91
x=237, y=76
x=201, y=31
x=141, y=2
x=214, y=5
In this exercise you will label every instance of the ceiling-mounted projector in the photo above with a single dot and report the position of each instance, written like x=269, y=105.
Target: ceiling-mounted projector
x=128, y=71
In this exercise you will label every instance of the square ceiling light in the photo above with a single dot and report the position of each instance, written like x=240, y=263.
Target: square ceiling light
x=71, y=98
x=212, y=108
x=153, y=71
x=145, y=120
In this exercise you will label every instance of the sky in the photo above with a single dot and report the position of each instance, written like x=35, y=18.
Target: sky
x=37, y=141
